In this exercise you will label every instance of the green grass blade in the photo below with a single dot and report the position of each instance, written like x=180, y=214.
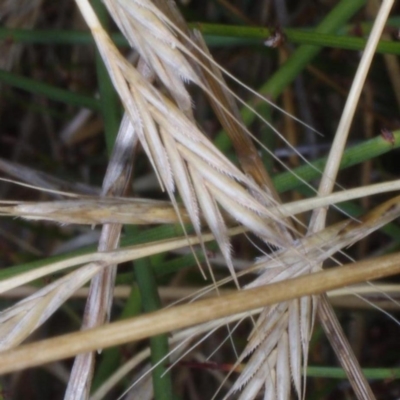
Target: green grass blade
x=159, y=346
x=51, y=92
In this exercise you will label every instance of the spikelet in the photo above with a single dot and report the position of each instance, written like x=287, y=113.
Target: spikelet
x=186, y=162
x=205, y=178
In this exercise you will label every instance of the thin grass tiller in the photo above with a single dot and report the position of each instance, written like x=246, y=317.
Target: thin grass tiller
x=280, y=295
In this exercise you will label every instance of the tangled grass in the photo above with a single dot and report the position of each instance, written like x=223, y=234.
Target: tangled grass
x=211, y=199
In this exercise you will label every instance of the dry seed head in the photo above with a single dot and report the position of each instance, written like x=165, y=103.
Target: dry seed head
x=137, y=95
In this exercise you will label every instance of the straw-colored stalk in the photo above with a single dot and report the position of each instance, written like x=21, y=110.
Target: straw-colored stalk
x=215, y=195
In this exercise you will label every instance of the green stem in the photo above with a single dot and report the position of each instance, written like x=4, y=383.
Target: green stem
x=215, y=35
x=54, y=93
x=297, y=62
x=304, y=54
x=352, y=156
x=339, y=373
x=159, y=347
x=294, y=65
x=110, y=108
x=59, y=37
x=248, y=35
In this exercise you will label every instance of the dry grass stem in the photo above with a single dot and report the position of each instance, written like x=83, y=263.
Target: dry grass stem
x=148, y=211
x=285, y=286
x=332, y=165
x=358, y=296
x=106, y=258
x=183, y=316
x=326, y=314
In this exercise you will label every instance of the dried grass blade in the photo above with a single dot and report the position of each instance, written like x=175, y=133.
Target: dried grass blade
x=332, y=166
x=95, y=211
x=343, y=350
x=148, y=211
x=222, y=101
x=43, y=180
x=202, y=311
x=360, y=386
x=99, y=302
x=107, y=258
x=34, y=310
x=20, y=320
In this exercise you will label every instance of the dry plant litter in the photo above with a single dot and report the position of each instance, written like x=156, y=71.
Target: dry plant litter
x=207, y=192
